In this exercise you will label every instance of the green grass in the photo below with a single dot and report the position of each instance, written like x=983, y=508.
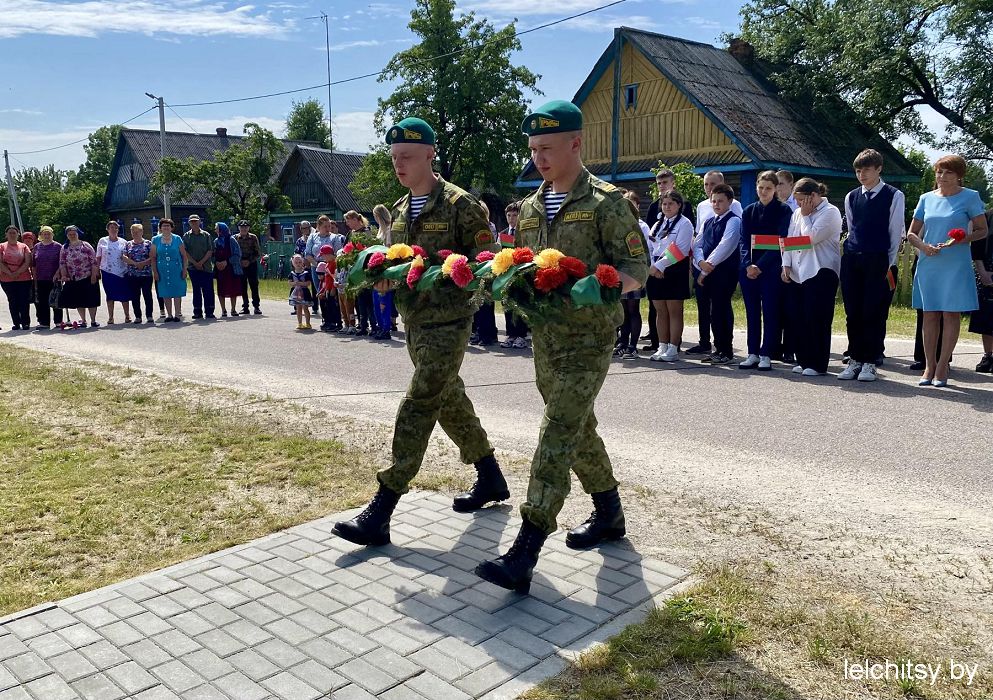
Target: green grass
x=102, y=483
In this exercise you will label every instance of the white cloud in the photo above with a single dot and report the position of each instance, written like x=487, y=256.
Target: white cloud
x=604, y=23
x=354, y=131
x=26, y=112
x=364, y=43
x=520, y=8
x=92, y=18
x=707, y=23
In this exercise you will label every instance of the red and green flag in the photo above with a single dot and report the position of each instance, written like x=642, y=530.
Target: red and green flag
x=797, y=243
x=673, y=254
x=506, y=240
x=765, y=242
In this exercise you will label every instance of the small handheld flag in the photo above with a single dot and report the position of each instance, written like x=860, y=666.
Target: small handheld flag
x=890, y=279
x=673, y=254
x=506, y=240
x=765, y=242
x=796, y=243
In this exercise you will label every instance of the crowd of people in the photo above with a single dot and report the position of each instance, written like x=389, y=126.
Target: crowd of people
x=788, y=252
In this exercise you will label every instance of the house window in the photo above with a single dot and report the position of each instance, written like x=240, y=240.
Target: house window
x=631, y=96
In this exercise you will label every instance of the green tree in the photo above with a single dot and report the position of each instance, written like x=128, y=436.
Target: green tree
x=886, y=57
x=33, y=187
x=375, y=182
x=460, y=79
x=81, y=206
x=913, y=190
x=305, y=122
x=688, y=183
x=241, y=180
x=101, y=146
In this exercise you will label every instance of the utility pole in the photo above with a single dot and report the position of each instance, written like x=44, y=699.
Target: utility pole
x=327, y=46
x=167, y=213
x=12, y=191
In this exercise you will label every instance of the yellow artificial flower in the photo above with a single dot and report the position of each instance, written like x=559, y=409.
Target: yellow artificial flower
x=502, y=261
x=418, y=261
x=446, y=267
x=399, y=251
x=549, y=257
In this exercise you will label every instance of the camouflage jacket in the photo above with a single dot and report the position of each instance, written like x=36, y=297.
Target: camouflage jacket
x=451, y=219
x=594, y=224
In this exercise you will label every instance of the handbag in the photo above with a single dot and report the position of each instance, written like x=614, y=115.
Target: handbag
x=55, y=296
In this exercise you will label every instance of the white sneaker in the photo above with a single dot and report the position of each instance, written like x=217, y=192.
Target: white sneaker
x=851, y=371
x=659, y=355
x=520, y=343
x=508, y=343
x=749, y=362
x=868, y=373
x=811, y=372
x=765, y=363
x=797, y=369
x=671, y=353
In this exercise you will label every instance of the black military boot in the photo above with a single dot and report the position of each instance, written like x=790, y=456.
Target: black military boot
x=606, y=522
x=513, y=570
x=371, y=526
x=490, y=486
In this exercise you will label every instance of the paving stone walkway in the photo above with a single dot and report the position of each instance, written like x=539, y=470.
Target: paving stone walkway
x=302, y=615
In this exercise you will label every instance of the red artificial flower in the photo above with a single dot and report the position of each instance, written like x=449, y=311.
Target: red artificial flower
x=413, y=275
x=957, y=234
x=349, y=248
x=550, y=278
x=444, y=253
x=462, y=274
x=485, y=256
x=574, y=266
x=523, y=255
x=376, y=259
x=359, y=247
x=607, y=276
x=419, y=251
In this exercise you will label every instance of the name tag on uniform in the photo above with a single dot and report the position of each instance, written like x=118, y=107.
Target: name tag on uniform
x=399, y=226
x=578, y=216
x=435, y=226
x=525, y=224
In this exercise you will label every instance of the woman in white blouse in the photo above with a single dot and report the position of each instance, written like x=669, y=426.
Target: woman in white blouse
x=811, y=274
x=669, y=276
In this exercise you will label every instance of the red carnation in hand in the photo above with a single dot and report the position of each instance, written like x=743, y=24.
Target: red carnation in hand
x=523, y=255
x=485, y=256
x=574, y=266
x=376, y=259
x=419, y=251
x=957, y=234
x=462, y=274
x=348, y=248
x=550, y=278
x=413, y=275
x=607, y=276
x=444, y=253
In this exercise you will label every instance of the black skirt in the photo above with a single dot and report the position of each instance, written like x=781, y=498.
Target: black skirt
x=981, y=320
x=674, y=286
x=80, y=294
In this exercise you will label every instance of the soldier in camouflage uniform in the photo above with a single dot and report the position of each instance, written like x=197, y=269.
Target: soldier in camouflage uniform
x=436, y=215
x=595, y=224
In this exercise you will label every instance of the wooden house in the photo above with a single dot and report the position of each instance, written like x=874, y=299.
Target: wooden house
x=652, y=97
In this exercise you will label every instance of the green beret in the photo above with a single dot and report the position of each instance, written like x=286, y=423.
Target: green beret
x=552, y=118
x=411, y=130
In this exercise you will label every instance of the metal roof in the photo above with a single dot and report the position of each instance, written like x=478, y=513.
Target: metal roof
x=335, y=170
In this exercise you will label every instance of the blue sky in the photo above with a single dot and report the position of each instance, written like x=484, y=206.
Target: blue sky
x=68, y=67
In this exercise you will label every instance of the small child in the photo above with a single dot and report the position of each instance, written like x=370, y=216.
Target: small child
x=300, y=296
x=346, y=303
x=327, y=294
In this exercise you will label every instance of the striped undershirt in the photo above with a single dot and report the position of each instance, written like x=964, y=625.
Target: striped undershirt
x=553, y=201
x=416, y=204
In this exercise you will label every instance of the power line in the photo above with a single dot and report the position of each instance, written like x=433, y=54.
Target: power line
x=179, y=116
x=73, y=143
x=424, y=60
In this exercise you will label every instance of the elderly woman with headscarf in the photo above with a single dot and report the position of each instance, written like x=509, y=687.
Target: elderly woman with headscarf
x=227, y=268
x=79, y=270
x=45, y=260
x=15, y=278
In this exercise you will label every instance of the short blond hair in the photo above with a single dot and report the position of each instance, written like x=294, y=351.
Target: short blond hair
x=137, y=227
x=46, y=229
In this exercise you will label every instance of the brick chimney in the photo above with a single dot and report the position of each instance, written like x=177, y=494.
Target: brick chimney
x=222, y=131
x=742, y=51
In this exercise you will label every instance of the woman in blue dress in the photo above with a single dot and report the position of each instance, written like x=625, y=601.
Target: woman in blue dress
x=169, y=269
x=944, y=283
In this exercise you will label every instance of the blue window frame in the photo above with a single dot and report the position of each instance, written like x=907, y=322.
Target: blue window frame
x=631, y=96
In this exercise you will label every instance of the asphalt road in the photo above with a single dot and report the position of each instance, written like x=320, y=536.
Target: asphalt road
x=816, y=449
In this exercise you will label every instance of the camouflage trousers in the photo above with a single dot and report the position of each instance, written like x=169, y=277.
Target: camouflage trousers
x=570, y=369
x=436, y=395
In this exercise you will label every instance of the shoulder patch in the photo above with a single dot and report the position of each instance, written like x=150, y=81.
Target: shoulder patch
x=484, y=237
x=635, y=243
x=525, y=224
x=454, y=197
